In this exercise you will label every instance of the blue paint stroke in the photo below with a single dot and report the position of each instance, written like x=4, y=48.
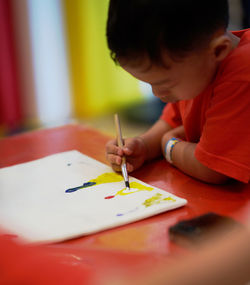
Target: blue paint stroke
x=85, y=185
x=131, y=211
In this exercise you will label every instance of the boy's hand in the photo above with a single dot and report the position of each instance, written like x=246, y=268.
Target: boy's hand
x=134, y=149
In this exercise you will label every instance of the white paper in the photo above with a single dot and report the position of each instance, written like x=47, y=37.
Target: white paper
x=35, y=206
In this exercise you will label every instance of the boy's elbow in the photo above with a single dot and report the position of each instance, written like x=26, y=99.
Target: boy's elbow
x=212, y=177
x=219, y=180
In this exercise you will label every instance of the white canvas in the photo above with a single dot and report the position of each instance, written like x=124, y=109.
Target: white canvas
x=34, y=203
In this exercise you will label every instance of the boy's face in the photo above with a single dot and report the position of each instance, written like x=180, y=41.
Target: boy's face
x=175, y=80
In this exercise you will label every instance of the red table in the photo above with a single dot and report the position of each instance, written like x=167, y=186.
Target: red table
x=137, y=246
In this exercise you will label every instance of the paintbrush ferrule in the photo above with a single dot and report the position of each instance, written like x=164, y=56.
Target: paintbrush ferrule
x=125, y=175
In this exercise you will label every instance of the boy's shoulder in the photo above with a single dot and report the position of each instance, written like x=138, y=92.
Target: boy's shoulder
x=236, y=66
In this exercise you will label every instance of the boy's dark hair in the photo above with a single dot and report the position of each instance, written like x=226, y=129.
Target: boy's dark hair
x=135, y=27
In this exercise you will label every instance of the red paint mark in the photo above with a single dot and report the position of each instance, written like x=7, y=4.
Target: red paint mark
x=10, y=235
x=109, y=197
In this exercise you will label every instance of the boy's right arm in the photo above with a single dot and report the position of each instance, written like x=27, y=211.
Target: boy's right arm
x=138, y=149
x=152, y=138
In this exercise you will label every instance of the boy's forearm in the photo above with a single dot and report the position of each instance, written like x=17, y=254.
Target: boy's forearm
x=183, y=158
x=152, y=138
x=183, y=152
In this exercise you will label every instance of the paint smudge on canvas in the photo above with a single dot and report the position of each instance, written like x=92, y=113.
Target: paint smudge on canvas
x=110, y=178
x=110, y=197
x=137, y=188
x=103, y=178
x=134, y=187
x=157, y=199
x=85, y=185
x=131, y=211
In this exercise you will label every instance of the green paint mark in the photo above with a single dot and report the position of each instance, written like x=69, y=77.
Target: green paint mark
x=157, y=199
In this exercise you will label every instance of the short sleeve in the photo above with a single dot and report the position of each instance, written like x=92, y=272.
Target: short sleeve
x=171, y=115
x=224, y=145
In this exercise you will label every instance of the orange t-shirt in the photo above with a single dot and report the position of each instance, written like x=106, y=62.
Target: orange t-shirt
x=218, y=119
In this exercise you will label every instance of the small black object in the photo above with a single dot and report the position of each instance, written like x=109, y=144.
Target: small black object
x=127, y=184
x=199, y=229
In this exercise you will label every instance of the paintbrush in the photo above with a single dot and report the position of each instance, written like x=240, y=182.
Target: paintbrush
x=120, y=144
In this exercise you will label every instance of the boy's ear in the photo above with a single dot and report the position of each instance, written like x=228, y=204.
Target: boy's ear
x=221, y=47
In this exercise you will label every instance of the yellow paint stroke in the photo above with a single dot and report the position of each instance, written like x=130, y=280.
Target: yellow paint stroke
x=157, y=199
x=134, y=185
x=114, y=177
x=107, y=178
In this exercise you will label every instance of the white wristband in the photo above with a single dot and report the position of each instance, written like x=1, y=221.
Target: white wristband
x=169, y=149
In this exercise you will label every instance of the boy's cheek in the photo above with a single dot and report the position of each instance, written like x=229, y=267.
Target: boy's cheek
x=159, y=92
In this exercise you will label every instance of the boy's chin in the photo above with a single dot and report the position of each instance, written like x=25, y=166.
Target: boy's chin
x=168, y=99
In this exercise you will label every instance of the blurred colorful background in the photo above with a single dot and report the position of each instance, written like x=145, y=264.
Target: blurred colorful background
x=55, y=66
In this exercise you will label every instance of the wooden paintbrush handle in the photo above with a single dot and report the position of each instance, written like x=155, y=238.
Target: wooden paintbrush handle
x=119, y=135
x=118, y=131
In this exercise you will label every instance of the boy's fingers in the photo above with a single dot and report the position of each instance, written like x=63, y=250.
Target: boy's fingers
x=130, y=167
x=116, y=167
x=127, y=151
x=113, y=149
x=129, y=147
x=114, y=159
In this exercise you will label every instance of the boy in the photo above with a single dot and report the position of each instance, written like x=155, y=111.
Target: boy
x=183, y=49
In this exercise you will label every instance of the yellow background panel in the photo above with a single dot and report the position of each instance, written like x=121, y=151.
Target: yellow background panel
x=99, y=86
